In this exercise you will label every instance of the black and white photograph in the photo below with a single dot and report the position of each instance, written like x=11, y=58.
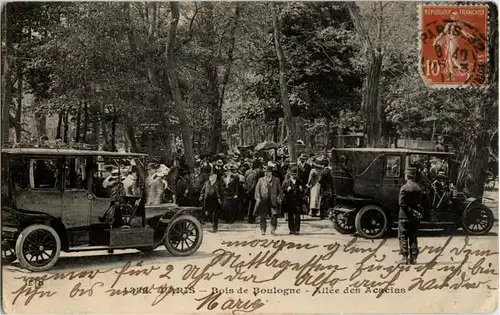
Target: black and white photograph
x=232, y=157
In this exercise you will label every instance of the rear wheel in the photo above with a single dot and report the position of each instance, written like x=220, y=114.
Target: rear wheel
x=371, y=222
x=477, y=220
x=8, y=254
x=343, y=222
x=183, y=236
x=38, y=247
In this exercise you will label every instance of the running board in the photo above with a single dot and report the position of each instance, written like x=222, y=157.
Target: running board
x=96, y=248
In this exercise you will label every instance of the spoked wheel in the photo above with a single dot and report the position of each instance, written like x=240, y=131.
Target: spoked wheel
x=343, y=222
x=371, y=222
x=38, y=247
x=183, y=236
x=8, y=254
x=477, y=220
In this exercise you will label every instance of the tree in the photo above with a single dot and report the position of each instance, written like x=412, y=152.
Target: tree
x=290, y=123
x=174, y=86
x=7, y=72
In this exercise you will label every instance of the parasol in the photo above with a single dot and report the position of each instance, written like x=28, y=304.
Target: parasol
x=266, y=145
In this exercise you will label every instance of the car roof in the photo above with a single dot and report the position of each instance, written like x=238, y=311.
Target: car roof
x=395, y=151
x=68, y=152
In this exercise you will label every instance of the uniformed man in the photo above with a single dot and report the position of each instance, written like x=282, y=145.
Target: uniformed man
x=410, y=199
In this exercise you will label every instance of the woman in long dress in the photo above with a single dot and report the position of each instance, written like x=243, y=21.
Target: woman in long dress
x=314, y=188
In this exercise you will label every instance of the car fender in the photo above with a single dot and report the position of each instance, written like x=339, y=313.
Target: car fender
x=24, y=218
x=171, y=214
x=470, y=202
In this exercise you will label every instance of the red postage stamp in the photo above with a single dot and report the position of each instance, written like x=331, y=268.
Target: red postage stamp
x=453, y=45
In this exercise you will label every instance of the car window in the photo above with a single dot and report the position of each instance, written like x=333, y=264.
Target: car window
x=393, y=166
x=75, y=173
x=44, y=174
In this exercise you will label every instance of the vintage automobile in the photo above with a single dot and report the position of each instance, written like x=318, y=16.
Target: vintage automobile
x=53, y=200
x=367, y=184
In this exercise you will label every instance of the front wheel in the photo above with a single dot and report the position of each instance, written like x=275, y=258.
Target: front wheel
x=38, y=247
x=184, y=235
x=371, y=222
x=477, y=220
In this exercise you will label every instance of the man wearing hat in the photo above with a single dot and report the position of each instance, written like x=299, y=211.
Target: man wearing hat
x=251, y=179
x=410, y=200
x=267, y=195
x=292, y=189
x=219, y=168
x=303, y=168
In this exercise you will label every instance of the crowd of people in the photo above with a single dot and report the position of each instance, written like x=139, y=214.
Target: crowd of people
x=236, y=188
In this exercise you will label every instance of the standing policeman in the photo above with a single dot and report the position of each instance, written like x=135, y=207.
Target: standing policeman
x=410, y=198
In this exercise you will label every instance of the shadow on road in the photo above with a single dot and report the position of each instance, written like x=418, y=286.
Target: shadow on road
x=112, y=261
x=440, y=233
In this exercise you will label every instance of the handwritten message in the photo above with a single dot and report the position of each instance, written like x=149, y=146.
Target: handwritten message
x=243, y=276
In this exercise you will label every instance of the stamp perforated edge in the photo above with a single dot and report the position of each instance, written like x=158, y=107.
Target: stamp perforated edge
x=488, y=27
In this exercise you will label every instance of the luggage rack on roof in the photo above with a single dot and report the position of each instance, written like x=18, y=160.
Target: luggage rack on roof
x=50, y=145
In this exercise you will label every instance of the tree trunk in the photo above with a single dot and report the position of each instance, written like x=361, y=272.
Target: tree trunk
x=113, y=133
x=102, y=120
x=219, y=95
x=174, y=86
x=371, y=106
x=66, y=127
x=59, y=124
x=292, y=141
x=85, y=121
x=252, y=127
x=78, y=123
x=130, y=134
x=275, y=129
x=19, y=109
x=283, y=131
x=134, y=41
x=7, y=74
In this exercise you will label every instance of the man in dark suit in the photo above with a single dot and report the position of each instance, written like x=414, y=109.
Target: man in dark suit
x=292, y=201
x=410, y=200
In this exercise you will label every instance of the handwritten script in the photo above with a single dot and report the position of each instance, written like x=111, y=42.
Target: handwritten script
x=243, y=276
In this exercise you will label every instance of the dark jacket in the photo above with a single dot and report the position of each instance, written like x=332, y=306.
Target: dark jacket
x=251, y=180
x=292, y=199
x=410, y=198
x=232, y=188
x=205, y=190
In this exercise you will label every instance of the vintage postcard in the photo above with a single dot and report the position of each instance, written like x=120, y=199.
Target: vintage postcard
x=249, y=157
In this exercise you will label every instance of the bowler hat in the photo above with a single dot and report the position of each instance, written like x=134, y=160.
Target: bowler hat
x=219, y=163
x=303, y=156
x=269, y=168
x=294, y=170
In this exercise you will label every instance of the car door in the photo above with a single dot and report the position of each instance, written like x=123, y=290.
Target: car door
x=393, y=179
x=76, y=201
x=43, y=191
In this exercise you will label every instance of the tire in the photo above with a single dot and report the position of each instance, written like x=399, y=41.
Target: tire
x=8, y=255
x=179, y=231
x=477, y=220
x=343, y=222
x=28, y=241
x=371, y=222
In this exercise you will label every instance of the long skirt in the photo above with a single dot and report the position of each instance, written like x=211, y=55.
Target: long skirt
x=315, y=199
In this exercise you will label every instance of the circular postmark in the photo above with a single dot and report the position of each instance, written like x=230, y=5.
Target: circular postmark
x=454, y=45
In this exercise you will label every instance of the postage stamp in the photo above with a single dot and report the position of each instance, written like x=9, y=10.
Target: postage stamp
x=453, y=45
